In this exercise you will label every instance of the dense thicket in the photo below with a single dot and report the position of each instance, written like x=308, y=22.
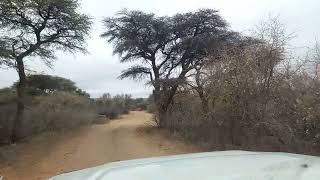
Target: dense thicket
x=222, y=88
x=252, y=94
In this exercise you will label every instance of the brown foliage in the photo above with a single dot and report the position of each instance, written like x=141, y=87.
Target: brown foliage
x=255, y=96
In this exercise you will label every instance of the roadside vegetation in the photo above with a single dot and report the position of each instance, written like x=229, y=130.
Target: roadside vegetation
x=52, y=103
x=222, y=88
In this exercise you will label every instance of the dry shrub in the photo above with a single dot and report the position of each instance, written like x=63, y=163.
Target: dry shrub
x=7, y=112
x=57, y=111
x=187, y=118
x=286, y=125
x=252, y=96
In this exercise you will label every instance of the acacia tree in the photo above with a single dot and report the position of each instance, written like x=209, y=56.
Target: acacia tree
x=41, y=84
x=164, y=49
x=32, y=28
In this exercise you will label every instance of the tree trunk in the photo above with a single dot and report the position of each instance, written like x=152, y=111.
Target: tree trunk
x=161, y=111
x=204, y=100
x=20, y=101
x=162, y=98
x=162, y=114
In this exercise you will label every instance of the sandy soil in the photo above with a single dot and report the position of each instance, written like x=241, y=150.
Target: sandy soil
x=130, y=137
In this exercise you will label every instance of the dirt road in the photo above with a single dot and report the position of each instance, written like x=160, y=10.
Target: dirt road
x=132, y=136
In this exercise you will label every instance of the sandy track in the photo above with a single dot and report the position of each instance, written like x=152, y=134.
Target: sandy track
x=130, y=137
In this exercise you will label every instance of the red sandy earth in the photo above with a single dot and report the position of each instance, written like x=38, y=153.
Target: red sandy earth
x=130, y=137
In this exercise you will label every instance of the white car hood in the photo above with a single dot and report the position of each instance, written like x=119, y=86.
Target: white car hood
x=225, y=165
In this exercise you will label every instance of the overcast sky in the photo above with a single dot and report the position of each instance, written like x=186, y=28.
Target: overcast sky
x=97, y=71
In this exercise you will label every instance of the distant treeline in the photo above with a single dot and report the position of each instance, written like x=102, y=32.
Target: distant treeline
x=113, y=106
